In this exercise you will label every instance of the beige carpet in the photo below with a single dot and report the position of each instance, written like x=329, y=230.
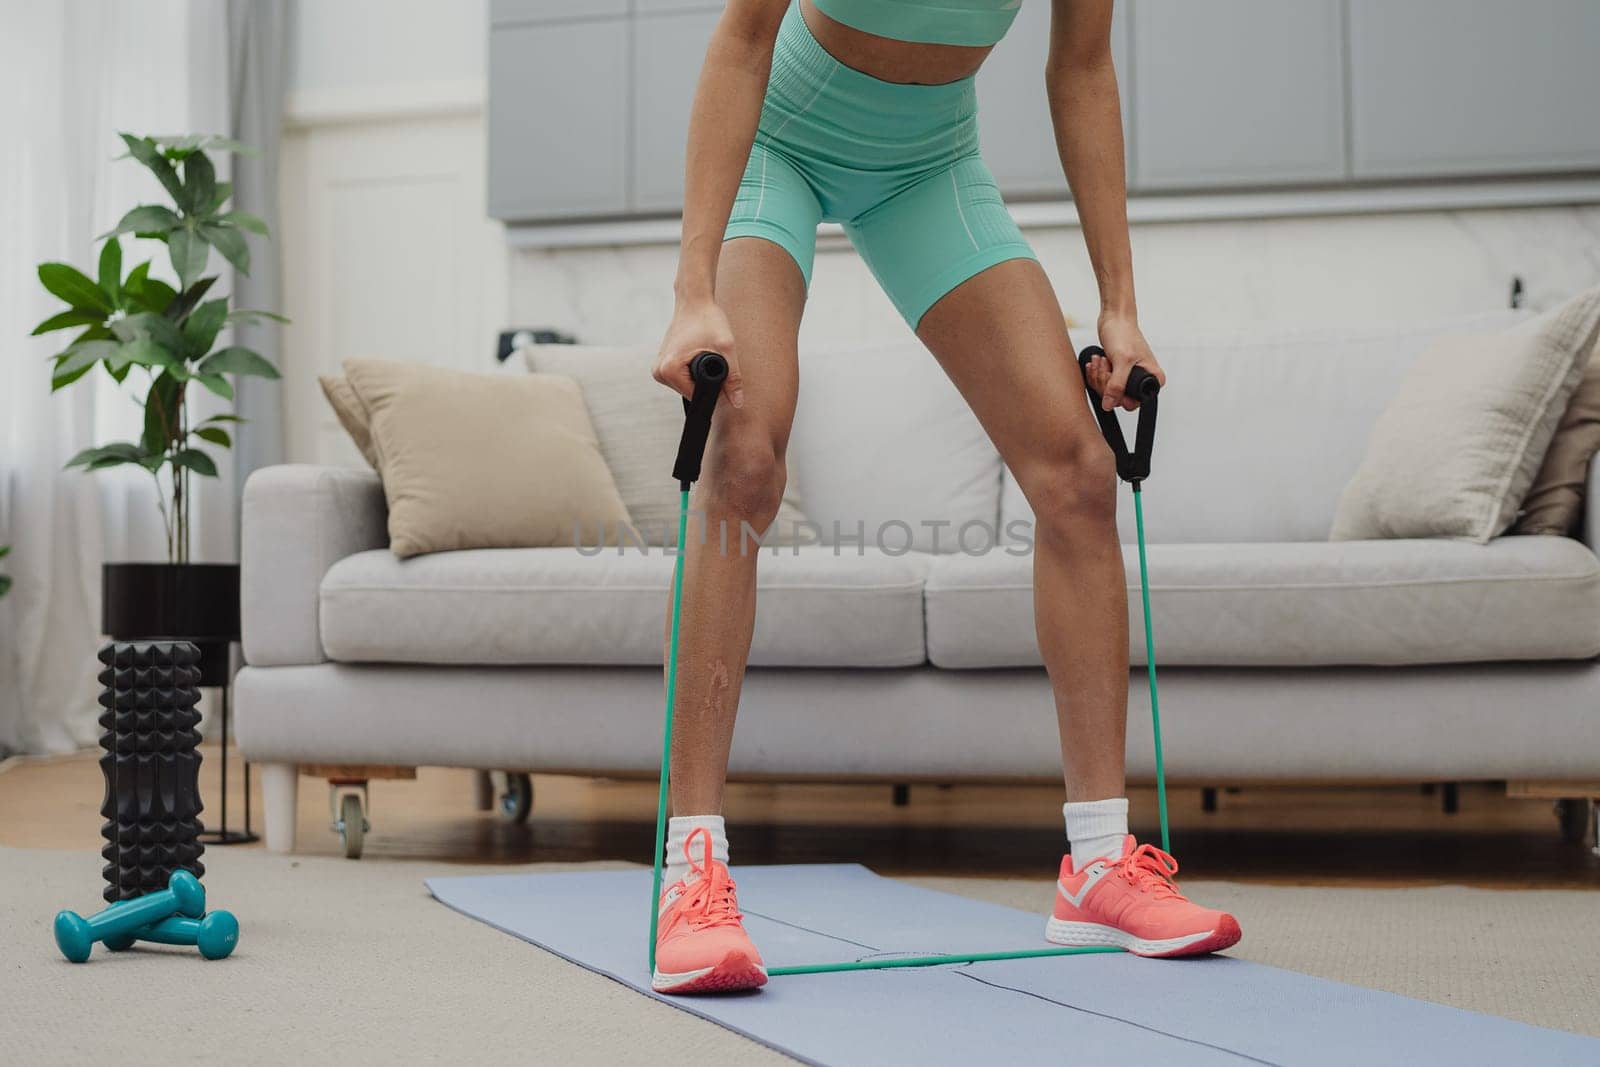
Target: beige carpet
x=353, y=961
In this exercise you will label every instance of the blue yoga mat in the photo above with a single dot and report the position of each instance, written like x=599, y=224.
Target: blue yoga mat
x=1210, y=1010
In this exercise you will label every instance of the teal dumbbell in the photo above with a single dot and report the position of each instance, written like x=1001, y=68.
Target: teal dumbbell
x=75, y=935
x=215, y=935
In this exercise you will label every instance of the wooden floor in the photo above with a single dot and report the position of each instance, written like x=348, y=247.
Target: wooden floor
x=1392, y=836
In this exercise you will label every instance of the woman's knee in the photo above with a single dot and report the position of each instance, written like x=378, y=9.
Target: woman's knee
x=1074, y=486
x=744, y=479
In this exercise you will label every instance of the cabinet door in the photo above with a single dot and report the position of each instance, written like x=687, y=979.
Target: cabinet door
x=558, y=118
x=502, y=12
x=661, y=7
x=1446, y=87
x=1013, y=112
x=668, y=53
x=1238, y=92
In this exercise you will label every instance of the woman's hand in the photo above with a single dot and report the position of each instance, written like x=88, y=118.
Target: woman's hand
x=697, y=327
x=1125, y=348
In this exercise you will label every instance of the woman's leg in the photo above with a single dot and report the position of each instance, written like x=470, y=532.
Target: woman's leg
x=1001, y=338
x=761, y=290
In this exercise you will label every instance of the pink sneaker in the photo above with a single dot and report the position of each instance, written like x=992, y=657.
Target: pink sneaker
x=1134, y=904
x=701, y=946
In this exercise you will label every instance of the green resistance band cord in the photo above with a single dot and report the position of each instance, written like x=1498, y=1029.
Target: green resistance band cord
x=892, y=961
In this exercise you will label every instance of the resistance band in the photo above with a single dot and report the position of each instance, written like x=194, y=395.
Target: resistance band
x=708, y=371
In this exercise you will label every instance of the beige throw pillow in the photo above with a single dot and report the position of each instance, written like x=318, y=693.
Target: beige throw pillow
x=1555, y=503
x=1456, y=450
x=351, y=414
x=485, y=461
x=638, y=422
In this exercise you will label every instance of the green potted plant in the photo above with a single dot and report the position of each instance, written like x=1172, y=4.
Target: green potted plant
x=5, y=579
x=133, y=323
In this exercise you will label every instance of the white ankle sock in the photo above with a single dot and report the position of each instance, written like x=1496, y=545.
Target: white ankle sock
x=1095, y=828
x=679, y=827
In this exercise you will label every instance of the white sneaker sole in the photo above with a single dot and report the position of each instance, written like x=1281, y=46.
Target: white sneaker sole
x=736, y=972
x=1083, y=935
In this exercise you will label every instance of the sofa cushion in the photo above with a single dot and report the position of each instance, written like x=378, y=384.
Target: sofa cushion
x=1456, y=450
x=1260, y=430
x=886, y=449
x=1300, y=605
x=560, y=606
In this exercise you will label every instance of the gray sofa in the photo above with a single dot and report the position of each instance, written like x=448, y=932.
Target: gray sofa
x=1285, y=657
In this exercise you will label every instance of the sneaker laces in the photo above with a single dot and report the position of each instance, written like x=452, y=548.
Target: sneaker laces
x=711, y=899
x=1150, y=869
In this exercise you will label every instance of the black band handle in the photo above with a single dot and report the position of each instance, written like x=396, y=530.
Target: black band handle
x=708, y=370
x=1131, y=466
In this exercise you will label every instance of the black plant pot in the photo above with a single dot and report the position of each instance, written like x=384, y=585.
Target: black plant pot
x=197, y=602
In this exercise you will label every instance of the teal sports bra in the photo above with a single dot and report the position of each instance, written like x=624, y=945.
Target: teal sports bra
x=972, y=22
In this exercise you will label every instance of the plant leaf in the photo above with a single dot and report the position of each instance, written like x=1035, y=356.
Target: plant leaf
x=73, y=286
x=245, y=221
x=218, y=197
x=158, y=328
x=185, y=302
x=224, y=418
x=230, y=242
x=134, y=284
x=144, y=352
x=161, y=414
x=145, y=150
x=111, y=271
x=194, y=460
x=155, y=295
x=179, y=147
x=147, y=220
x=107, y=455
x=76, y=361
x=236, y=359
x=200, y=329
x=217, y=384
x=251, y=317
x=199, y=182
x=189, y=255
x=215, y=434
x=66, y=320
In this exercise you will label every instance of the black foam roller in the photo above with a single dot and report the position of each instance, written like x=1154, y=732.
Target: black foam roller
x=151, y=765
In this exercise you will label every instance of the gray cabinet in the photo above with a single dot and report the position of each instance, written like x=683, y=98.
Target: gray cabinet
x=1238, y=92
x=557, y=119
x=1443, y=87
x=659, y=7
x=589, y=99
x=668, y=51
x=1013, y=111
x=506, y=12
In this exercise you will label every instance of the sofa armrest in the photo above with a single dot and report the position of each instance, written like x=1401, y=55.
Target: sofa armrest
x=1591, y=506
x=298, y=521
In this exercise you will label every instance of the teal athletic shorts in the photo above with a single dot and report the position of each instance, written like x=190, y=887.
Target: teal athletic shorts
x=896, y=164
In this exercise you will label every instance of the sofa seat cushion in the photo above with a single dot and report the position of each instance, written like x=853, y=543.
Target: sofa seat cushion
x=1301, y=604
x=559, y=606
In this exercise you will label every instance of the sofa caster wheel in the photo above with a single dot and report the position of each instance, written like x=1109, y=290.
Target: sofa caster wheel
x=1573, y=814
x=350, y=817
x=516, y=803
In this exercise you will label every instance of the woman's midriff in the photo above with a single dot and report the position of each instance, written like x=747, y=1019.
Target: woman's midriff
x=907, y=62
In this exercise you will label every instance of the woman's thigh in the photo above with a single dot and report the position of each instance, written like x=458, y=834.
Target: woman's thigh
x=1001, y=338
x=762, y=292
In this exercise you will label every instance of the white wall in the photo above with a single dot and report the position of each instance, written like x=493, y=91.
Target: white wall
x=1191, y=276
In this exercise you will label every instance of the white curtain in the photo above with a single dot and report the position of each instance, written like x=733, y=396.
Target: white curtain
x=72, y=74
